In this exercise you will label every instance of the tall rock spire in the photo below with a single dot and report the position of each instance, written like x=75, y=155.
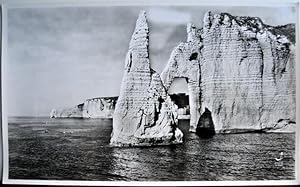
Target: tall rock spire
x=139, y=39
x=144, y=114
x=138, y=55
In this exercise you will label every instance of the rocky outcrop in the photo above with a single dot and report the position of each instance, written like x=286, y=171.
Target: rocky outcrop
x=241, y=70
x=101, y=107
x=144, y=114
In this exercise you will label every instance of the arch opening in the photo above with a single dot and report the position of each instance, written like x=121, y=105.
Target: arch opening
x=179, y=94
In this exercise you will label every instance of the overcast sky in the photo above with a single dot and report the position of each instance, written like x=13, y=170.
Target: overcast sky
x=62, y=56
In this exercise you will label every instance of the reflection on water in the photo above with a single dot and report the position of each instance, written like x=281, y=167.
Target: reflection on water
x=77, y=149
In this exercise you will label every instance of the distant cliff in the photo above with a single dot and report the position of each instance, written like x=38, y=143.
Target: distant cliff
x=101, y=107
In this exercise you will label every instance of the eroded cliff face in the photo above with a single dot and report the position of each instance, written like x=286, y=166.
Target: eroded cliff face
x=242, y=72
x=248, y=78
x=102, y=107
x=144, y=114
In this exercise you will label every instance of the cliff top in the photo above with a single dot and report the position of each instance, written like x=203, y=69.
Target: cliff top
x=254, y=24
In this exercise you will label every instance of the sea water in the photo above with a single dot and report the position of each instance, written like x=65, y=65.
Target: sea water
x=78, y=149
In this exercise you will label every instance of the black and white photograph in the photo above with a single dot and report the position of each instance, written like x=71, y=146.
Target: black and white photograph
x=149, y=92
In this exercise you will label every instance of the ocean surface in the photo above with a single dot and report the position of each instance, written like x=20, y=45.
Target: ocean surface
x=78, y=149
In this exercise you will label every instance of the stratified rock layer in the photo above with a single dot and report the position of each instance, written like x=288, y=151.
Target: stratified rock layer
x=101, y=107
x=248, y=78
x=241, y=70
x=144, y=114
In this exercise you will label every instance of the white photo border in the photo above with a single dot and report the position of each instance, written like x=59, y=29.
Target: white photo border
x=7, y=4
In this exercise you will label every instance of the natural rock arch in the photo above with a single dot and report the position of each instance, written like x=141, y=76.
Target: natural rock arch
x=236, y=69
x=184, y=62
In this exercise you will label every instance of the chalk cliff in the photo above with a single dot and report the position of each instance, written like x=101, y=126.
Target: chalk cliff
x=248, y=73
x=101, y=107
x=240, y=74
x=144, y=114
x=240, y=70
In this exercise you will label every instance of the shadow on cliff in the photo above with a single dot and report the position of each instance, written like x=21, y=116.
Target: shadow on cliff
x=205, y=127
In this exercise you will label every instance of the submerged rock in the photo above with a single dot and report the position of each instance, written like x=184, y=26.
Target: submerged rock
x=144, y=114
